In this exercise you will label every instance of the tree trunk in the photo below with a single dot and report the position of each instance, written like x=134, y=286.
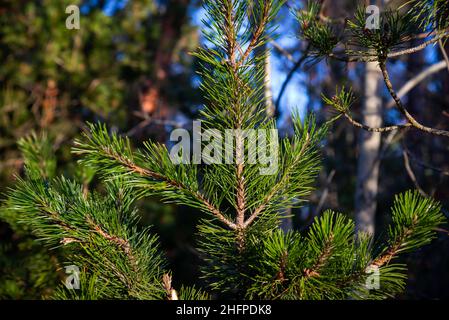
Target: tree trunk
x=268, y=95
x=369, y=147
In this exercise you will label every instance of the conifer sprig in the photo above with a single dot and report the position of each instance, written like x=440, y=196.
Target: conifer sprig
x=245, y=254
x=151, y=171
x=102, y=231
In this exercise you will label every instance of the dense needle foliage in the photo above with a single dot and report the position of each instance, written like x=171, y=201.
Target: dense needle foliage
x=245, y=253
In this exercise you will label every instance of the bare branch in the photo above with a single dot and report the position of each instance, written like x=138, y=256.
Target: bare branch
x=419, y=162
x=411, y=174
x=403, y=110
x=281, y=50
x=443, y=51
x=373, y=58
x=409, y=85
x=372, y=129
x=420, y=47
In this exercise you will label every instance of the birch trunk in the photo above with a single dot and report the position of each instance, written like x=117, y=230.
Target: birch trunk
x=369, y=147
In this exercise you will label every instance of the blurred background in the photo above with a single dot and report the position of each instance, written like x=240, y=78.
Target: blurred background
x=129, y=66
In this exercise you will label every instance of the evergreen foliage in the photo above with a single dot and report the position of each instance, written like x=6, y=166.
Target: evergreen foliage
x=54, y=79
x=245, y=254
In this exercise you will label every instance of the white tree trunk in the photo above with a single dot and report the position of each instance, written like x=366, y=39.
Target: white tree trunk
x=369, y=147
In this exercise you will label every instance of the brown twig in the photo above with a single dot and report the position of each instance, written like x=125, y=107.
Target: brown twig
x=230, y=33
x=373, y=58
x=377, y=129
x=258, y=32
x=277, y=188
x=386, y=257
x=443, y=51
x=411, y=174
x=66, y=240
x=120, y=242
x=171, y=293
x=418, y=48
x=314, y=271
x=175, y=184
x=282, y=266
x=241, y=194
x=403, y=110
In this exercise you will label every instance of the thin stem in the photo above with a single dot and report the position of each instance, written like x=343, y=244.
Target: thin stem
x=373, y=129
x=258, y=32
x=443, y=51
x=412, y=175
x=418, y=48
x=393, y=250
x=320, y=262
x=277, y=188
x=403, y=110
x=394, y=54
x=175, y=184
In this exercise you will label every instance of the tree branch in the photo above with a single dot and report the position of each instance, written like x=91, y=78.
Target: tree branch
x=403, y=110
x=276, y=188
x=411, y=174
x=314, y=271
x=443, y=51
x=393, y=249
x=420, y=47
x=172, y=183
x=289, y=77
x=394, y=54
x=256, y=34
x=409, y=85
x=372, y=129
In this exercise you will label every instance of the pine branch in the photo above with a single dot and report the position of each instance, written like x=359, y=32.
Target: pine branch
x=116, y=157
x=279, y=187
x=320, y=262
x=376, y=129
x=419, y=47
x=245, y=255
x=414, y=221
x=59, y=214
x=267, y=10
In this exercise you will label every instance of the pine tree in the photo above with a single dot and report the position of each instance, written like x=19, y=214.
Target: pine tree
x=53, y=79
x=245, y=253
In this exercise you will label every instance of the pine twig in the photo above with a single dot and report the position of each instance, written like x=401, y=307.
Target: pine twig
x=171, y=293
x=277, y=188
x=175, y=184
x=314, y=271
x=377, y=129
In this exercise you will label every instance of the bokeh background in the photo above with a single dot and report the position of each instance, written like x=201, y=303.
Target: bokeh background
x=129, y=66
